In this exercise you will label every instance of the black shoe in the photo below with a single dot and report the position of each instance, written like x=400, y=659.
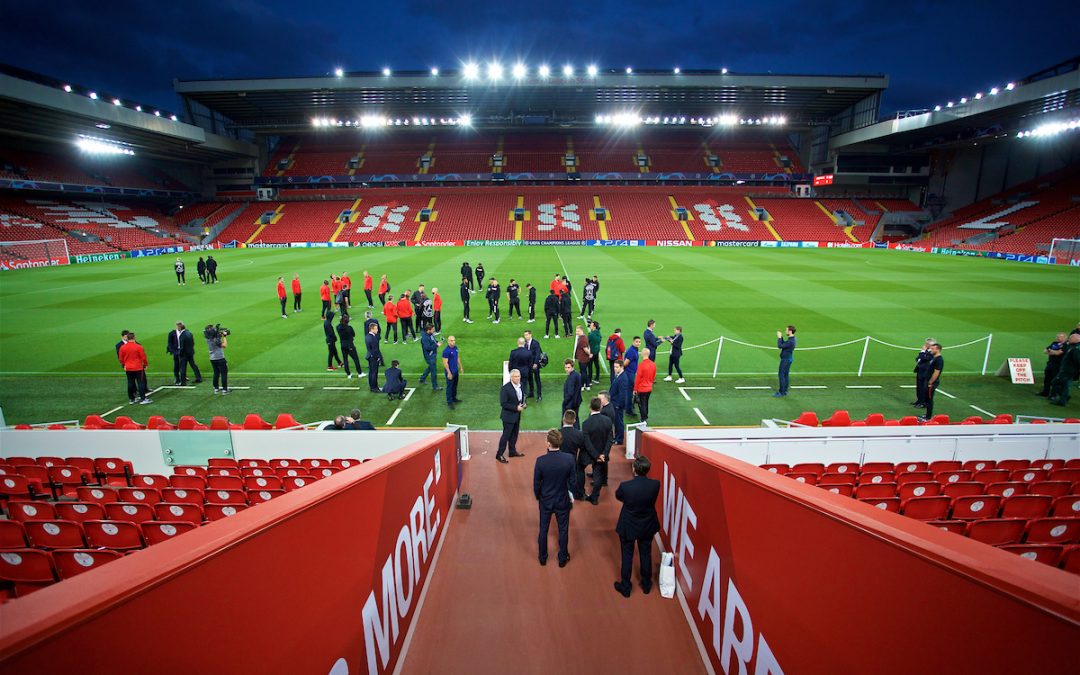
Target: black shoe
x=1042, y=393
x=646, y=588
x=517, y=454
x=458, y=400
x=623, y=590
x=543, y=561
x=539, y=398
x=198, y=380
x=176, y=384
x=563, y=561
x=593, y=499
x=915, y=402
x=501, y=459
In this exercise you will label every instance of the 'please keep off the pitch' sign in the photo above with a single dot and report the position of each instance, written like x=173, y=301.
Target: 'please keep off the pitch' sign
x=1020, y=371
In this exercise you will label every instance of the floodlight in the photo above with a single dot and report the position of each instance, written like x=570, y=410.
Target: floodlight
x=138, y=108
x=723, y=71
x=781, y=120
x=677, y=70
x=978, y=96
x=435, y=72
x=116, y=101
x=937, y=108
x=92, y=95
x=994, y=91
x=949, y=104
x=519, y=70
x=963, y=100
x=338, y=72
x=599, y=119
x=1010, y=86
x=465, y=120
x=67, y=88
x=544, y=71
x=471, y=71
x=567, y=70
x=494, y=71
x=728, y=120
x=386, y=72
x=157, y=113
x=101, y=146
x=592, y=70
x=629, y=70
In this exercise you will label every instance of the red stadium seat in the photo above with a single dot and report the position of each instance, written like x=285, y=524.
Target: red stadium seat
x=1066, y=507
x=837, y=479
x=1029, y=475
x=260, y=496
x=991, y=476
x=807, y=419
x=226, y=462
x=875, y=491
x=15, y=486
x=954, y=526
x=72, y=562
x=190, y=513
x=1007, y=489
x=776, y=468
x=314, y=463
x=123, y=421
x=875, y=420
x=885, y=504
x=182, y=496
x=1044, y=553
x=1053, y=488
x=186, y=423
x=219, y=511
x=54, y=534
x=1069, y=475
x=843, y=467
x=255, y=422
x=257, y=471
x=223, y=471
x=143, y=495
x=974, y=465
x=944, y=465
x=952, y=476
x=1013, y=464
x=157, y=531
x=909, y=421
x=30, y=510
x=29, y=569
x=1026, y=506
x=296, y=482
x=235, y=496
x=188, y=482
x=149, y=481
x=997, y=531
x=1050, y=465
x=291, y=471
x=974, y=419
x=908, y=490
x=50, y=461
x=1070, y=559
x=285, y=421
x=845, y=490
x=159, y=423
x=803, y=477
x=1003, y=419
x=262, y=483
x=926, y=508
x=37, y=476
x=840, y=418
x=100, y=495
x=84, y=464
x=119, y=535
x=964, y=489
x=1053, y=531
x=348, y=463
x=79, y=511
x=285, y=462
x=912, y=467
x=189, y=471
x=113, y=470
x=131, y=512
x=12, y=534
x=98, y=421
x=914, y=477
x=940, y=419
x=877, y=467
x=219, y=423
x=976, y=507
x=253, y=463
x=867, y=478
x=224, y=483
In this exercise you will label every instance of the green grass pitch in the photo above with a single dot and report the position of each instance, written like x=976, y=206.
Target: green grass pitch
x=58, y=327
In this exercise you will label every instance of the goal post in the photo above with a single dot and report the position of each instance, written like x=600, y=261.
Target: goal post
x=16, y=255
x=1065, y=251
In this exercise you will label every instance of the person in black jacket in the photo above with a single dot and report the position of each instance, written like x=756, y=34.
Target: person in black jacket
x=1055, y=351
x=466, y=283
x=566, y=309
x=513, y=292
x=551, y=314
x=511, y=404
x=571, y=391
x=922, y=373
x=395, y=382
x=369, y=321
x=374, y=357
x=331, y=341
x=520, y=359
x=466, y=274
x=573, y=444
x=675, y=356
x=534, y=367
x=211, y=269
x=181, y=344
x=493, y=294
x=479, y=275
x=553, y=481
x=599, y=435
x=417, y=300
x=532, y=302
x=348, y=347
x=637, y=524
x=200, y=267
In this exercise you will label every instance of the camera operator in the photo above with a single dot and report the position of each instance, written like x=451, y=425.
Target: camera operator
x=216, y=342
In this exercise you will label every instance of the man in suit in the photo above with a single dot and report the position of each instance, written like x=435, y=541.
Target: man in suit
x=532, y=302
x=184, y=354
x=520, y=358
x=430, y=347
x=551, y=314
x=374, y=357
x=533, y=377
x=395, y=382
x=652, y=343
x=511, y=402
x=630, y=366
x=172, y=346
x=466, y=273
x=637, y=524
x=573, y=444
x=354, y=422
x=211, y=269
x=553, y=480
x=619, y=392
x=571, y=391
x=598, y=439
x=347, y=335
x=566, y=310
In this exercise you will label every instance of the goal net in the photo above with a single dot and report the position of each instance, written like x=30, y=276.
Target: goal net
x=1065, y=251
x=16, y=255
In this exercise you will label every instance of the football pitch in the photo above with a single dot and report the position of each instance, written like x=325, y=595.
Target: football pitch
x=58, y=327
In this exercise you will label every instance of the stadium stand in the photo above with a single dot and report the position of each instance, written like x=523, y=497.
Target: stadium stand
x=90, y=227
x=41, y=166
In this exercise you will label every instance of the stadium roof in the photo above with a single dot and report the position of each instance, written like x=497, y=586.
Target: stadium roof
x=41, y=109
x=289, y=104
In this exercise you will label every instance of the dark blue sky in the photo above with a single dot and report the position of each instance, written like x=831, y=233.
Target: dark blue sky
x=932, y=51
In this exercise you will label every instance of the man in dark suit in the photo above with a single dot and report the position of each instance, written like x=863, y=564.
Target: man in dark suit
x=511, y=402
x=637, y=524
x=395, y=382
x=573, y=444
x=181, y=344
x=533, y=377
x=520, y=359
x=553, y=480
x=598, y=437
x=374, y=357
x=620, y=398
x=571, y=390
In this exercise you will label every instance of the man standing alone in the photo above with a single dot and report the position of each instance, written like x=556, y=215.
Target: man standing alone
x=452, y=368
x=296, y=293
x=512, y=403
x=374, y=357
x=331, y=341
x=464, y=292
x=551, y=314
x=179, y=268
x=532, y=302
x=1054, y=351
x=368, y=283
x=922, y=373
x=281, y=296
x=430, y=347
x=553, y=481
x=513, y=292
x=643, y=383
x=132, y=357
x=637, y=524
x=786, y=345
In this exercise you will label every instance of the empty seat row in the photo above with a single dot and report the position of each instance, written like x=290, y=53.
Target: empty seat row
x=841, y=418
x=971, y=465
x=979, y=507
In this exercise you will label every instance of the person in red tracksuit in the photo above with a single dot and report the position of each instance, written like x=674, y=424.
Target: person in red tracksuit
x=324, y=294
x=335, y=289
x=346, y=290
x=296, y=293
x=132, y=357
x=281, y=296
x=405, y=314
x=390, y=312
x=384, y=288
x=643, y=383
x=367, y=289
x=557, y=285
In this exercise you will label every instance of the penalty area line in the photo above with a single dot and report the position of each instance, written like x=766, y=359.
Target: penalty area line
x=397, y=411
x=985, y=412
x=701, y=417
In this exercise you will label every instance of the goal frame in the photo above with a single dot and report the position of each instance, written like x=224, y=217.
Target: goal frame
x=56, y=252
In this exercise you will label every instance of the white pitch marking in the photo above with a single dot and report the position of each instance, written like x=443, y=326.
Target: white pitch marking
x=701, y=417
x=985, y=412
x=409, y=395
x=907, y=386
x=753, y=387
x=177, y=386
x=231, y=388
x=154, y=391
x=290, y=388
x=701, y=387
x=106, y=414
x=945, y=393
x=393, y=417
x=862, y=386
x=682, y=390
x=811, y=386
x=342, y=388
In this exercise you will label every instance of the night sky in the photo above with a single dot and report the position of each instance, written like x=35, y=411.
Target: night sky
x=932, y=51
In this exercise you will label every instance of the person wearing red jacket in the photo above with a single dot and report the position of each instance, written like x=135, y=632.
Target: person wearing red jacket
x=367, y=289
x=643, y=382
x=390, y=312
x=436, y=304
x=335, y=291
x=324, y=295
x=405, y=314
x=614, y=350
x=281, y=296
x=296, y=293
x=132, y=357
x=557, y=285
x=384, y=288
x=346, y=290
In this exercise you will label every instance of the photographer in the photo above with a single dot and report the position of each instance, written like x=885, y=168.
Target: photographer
x=216, y=342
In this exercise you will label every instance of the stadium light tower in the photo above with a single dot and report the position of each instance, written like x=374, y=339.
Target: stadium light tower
x=494, y=71
x=723, y=71
x=339, y=72
x=544, y=71
x=592, y=70
x=471, y=71
x=629, y=70
x=434, y=72
x=93, y=96
x=386, y=72
x=568, y=70
x=519, y=70
x=67, y=88
x=678, y=70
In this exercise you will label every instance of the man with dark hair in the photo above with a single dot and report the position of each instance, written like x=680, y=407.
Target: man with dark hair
x=405, y=314
x=937, y=364
x=588, y=299
x=325, y=296
x=643, y=382
x=512, y=292
x=370, y=321
x=534, y=366
x=132, y=357
x=296, y=293
x=200, y=267
x=467, y=275
x=598, y=439
x=609, y=410
x=464, y=291
x=348, y=347
x=417, y=300
x=571, y=396
x=922, y=372
x=619, y=392
x=1060, y=388
x=211, y=269
x=592, y=376
x=479, y=275
x=346, y=292
x=551, y=314
x=282, y=296
x=181, y=344
x=786, y=345
x=630, y=366
x=614, y=350
x=493, y=299
x=553, y=482
x=374, y=357
x=675, y=356
x=1054, y=351
x=637, y=525
x=354, y=422
x=436, y=310
x=511, y=404
x=427, y=311
x=566, y=310
x=532, y=302
x=583, y=355
x=573, y=444
x=430, y=348
x=652, y=343
x=395, y=382
x=216, y=343
x=331, y=341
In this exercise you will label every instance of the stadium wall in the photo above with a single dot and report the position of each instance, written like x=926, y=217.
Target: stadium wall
x=324, y=580
x=776, y=576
